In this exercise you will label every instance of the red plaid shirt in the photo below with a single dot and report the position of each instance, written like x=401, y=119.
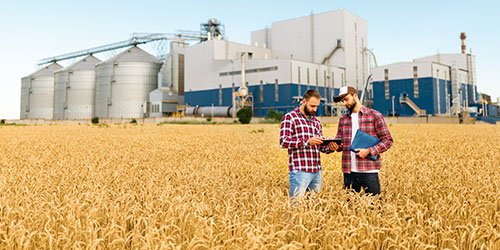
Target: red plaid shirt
x=370, y=122
x=295, y=131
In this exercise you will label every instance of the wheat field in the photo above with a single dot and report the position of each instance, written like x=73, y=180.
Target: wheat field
x=226, y=186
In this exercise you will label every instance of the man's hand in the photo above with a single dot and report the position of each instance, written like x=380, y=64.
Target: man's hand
x=362, y=152
x=315, y=141
x=333, y=146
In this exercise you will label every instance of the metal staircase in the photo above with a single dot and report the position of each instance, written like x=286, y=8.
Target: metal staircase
x=403, y=98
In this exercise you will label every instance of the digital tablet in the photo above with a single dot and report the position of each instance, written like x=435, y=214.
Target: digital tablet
x=327, y=141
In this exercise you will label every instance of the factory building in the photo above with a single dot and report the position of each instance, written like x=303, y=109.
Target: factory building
x=438, y=85
x=426, y=86
x=216, y=77
x=322, y=51
x=169, y=94
x=270, y=81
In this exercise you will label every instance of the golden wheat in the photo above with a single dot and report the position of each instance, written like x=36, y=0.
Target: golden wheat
x=226, y=186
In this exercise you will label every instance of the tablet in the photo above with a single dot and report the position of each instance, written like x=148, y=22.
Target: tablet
x=327, y=141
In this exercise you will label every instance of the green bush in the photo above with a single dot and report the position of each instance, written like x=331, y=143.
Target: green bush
x=244, y=115
x=134, y=121
x=273, y=115
x=95, y=120
x=2, y=121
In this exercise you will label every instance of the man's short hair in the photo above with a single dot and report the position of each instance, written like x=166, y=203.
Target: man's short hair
x=311, y=93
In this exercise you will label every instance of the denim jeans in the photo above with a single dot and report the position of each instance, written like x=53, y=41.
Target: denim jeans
x=367, y=181
x=302, y=182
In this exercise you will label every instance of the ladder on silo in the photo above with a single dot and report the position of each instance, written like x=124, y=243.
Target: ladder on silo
x=405, y=99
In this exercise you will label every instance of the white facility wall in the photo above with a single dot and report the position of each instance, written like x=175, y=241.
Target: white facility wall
x=262, y=37
x=226, y=50
x=402, y=70
x=328, y=27
x=338, y=74
x=354, y=41
x=199, y=66
x=292, y=39
x=282, y=74
x=204, y=62
x=460, y=60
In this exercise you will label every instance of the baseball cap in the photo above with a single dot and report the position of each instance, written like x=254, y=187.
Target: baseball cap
x=343, y=92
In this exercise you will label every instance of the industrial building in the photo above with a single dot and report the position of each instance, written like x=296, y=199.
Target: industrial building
x=205, y=74
x=434, y=85
x=438, y=85
x=322, y=51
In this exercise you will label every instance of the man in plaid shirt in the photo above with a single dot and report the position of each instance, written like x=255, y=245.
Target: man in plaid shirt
x=360, y=172
x=302, y=134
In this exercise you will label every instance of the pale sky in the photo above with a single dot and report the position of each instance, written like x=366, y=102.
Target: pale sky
x=397, y=30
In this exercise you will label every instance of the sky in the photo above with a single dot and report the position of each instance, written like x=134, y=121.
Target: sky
x=397, y=30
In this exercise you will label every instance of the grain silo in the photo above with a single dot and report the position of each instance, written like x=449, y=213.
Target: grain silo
x=37, y=93
x=74, y=88
x=123, y=83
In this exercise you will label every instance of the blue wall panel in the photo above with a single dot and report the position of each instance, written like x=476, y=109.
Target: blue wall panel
x=442, y=96
x=404, y=86
x=285, y=102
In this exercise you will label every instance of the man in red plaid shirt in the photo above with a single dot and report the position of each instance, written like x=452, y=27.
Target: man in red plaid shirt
x=302, y=134
x=360, y=172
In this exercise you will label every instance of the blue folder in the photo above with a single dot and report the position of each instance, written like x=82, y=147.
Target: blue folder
x=364, y=140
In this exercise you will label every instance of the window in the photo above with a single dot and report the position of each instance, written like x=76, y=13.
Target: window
x=308, y=78
x=261, y=91
x=299, y=80
x=332, y=82
x=438, y=94
x=386, y=75
x=415, y=81
x=249, y=71
x=324, y=83
x=317, y=79
x=250, y=55
x=220, y=94
x=276, y=90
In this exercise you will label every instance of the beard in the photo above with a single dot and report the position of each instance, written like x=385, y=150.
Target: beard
x=308, y=111
x=351, y=107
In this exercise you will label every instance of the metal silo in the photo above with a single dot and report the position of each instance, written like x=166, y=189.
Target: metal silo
x=123, y=83
x=74, y=88
x=37, y=93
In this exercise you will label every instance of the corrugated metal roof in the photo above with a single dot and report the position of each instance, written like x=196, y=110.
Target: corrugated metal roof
x=133, y=54
x=87, y=63
x=46, y=71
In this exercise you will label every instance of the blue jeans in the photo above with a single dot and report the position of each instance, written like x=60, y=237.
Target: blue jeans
x=302, y=182
x=368, y=181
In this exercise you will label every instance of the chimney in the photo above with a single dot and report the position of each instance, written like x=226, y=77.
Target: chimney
x=462, y=37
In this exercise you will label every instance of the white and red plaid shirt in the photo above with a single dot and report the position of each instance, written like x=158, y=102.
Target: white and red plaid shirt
x=296, y=129
x=372, y=123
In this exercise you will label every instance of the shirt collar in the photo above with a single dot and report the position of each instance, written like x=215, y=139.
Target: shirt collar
x=362, y=110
